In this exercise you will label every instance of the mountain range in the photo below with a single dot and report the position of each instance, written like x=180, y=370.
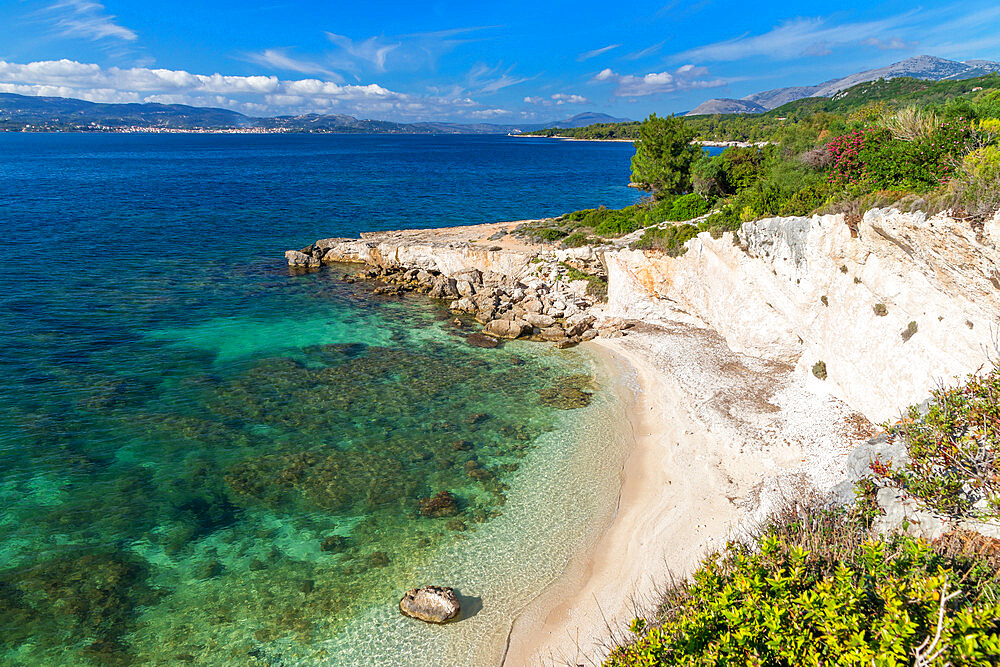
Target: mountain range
x=60, y=113
x=918, y=67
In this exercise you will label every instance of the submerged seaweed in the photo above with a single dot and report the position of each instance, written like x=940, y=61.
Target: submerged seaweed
x=298, y=487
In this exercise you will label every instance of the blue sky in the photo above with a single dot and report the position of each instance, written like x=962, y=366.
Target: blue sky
x=465, y=61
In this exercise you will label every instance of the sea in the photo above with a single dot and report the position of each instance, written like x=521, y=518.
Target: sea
x=207, y=458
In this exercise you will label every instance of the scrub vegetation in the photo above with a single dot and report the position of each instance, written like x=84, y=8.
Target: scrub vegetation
x=914, y=145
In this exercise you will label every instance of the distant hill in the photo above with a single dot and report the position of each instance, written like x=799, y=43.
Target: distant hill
x=724, y=105
x=66, y=111
x=585, y=119
x=66, y=114
x=919, y=67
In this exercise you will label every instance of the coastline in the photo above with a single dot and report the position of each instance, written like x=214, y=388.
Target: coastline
x=616, y=578
x=690, y=483
x=719, y=440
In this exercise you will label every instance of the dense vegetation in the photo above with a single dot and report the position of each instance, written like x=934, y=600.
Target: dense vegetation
x=905, y=143
x=954, y=449
x=824, y=590
x=605, y=131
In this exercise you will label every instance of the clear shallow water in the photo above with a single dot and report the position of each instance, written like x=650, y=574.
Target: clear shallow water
x=205, y=458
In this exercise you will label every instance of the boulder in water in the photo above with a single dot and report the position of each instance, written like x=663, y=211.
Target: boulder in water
x=481, y=340
x=431, y=604
x=298, y=258
x=440, y=504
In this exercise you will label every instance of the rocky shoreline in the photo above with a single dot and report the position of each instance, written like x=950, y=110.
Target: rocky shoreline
x=532, y=296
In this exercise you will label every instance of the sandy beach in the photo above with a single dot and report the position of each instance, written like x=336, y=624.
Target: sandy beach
x=720, y=440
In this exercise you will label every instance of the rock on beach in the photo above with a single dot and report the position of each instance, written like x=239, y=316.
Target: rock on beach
x=431, y=604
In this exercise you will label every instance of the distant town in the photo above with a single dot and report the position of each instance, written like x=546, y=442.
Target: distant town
x=144, y=129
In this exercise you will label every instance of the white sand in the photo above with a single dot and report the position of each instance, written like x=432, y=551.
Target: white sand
x=720, y=441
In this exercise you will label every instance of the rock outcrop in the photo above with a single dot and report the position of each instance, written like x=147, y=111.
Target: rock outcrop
x=431, y=604
x=516, y=291
x=892, y=306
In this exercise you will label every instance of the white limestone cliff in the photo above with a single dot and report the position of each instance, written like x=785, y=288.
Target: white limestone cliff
x=804, y=290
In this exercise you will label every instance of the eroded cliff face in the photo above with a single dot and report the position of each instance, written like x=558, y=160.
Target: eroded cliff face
x=893, y=308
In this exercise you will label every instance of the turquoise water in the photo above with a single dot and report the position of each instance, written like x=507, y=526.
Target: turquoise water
x=205, y=458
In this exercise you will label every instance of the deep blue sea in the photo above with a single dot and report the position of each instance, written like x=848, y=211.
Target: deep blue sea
x=208, y=459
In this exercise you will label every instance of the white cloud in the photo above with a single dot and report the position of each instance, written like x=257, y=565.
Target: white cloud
x=373, y=50
x=587, y=55
x=642, y=53
x=560, y=98
x=86, y=20
x=685, y=77
x=486, y=79
x=279, y=59
x=248, y=94
x=555, y=100
x=891, y=44
x=815, y=36
x=489, y=113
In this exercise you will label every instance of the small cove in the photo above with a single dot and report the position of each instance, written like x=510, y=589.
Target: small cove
x=209, y=459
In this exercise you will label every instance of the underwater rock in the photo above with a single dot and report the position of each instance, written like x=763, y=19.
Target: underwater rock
x=92, y=597
x=568, y=394
x=208, y=569
x=378, y=559
x=431, y=604
x=438, y=505
x=481, y=340
x=334, y=543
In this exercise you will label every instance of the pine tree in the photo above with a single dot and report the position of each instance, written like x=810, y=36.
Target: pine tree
x=663, y=156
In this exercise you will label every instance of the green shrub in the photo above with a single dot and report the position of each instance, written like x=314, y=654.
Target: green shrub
x=597, y=286
x=825, y=591
x=685, y=207
x=909, y=331
x=760, y=201
x=806, y=200
x=576, y=239
x=618, y=223
x=743, y=167
x=880, y=310
x=953, y=444
x=670, y=239
x=708, y=176
x=609, y=222
x=983, y=164
x=549, y=234
x=819, y=369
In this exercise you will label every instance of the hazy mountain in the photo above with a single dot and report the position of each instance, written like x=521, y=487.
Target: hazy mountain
x=725, y=105
x=585, y=119
x=66, y=111
x=918, y=67
x=60, y=113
